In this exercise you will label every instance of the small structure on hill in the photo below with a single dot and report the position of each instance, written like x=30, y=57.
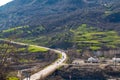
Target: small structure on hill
x=116, y=59
x=93, y=60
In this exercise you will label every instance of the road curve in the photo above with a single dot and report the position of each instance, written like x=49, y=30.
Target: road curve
x=49, y=69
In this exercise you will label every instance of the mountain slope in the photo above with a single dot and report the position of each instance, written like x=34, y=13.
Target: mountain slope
x=48, y=22
x=59, y=13
x=82, y=38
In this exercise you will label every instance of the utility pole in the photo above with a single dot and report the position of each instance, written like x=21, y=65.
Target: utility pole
x=115, y=61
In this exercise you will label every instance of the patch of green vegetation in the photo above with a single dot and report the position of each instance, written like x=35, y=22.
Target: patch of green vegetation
x=95, y=48
x=90, y=38
x=79, y=50
x=21, y=49
x=59, y=56
x=12, y=78
x=107, y=13
x=23, y=61
x=23, y=31
x=35, y=49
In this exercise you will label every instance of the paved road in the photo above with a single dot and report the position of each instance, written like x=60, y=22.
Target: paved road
x=51, y=68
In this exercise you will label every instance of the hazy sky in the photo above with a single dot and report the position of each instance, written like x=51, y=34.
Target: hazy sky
x=2, y=2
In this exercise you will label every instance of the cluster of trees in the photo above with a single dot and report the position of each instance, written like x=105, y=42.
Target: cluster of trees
x=6, y=53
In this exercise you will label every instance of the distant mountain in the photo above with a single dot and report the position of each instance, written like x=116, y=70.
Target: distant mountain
x=58, y=13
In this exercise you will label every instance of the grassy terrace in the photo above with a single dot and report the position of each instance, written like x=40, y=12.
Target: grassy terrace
x=35, y=49
x=94, y=39
x=12, y=78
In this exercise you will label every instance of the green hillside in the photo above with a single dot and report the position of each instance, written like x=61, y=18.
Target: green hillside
x=95, y=39
x=82, y=37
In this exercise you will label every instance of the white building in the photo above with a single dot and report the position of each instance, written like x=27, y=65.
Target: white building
x=116, y=60
x=93, y=60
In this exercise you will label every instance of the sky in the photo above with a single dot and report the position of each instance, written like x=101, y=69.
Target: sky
x=2, y=2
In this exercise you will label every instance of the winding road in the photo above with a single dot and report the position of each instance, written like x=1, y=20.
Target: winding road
x=50, y=69
x=41, y=75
